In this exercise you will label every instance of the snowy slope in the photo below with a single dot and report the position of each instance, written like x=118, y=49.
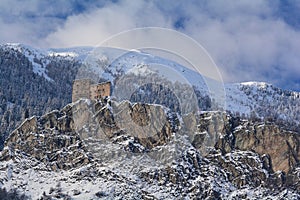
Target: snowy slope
x=259, y=99
x=251, y=99
x=34, y=56
x=41, y=58
x=79, y=53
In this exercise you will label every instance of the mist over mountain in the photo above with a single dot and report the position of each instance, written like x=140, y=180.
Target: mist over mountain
x=244, y=144
x=36, y=81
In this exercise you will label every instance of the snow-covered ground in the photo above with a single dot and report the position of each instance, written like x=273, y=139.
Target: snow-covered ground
x=249, y=99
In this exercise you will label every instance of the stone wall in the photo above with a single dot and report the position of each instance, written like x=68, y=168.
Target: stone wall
x=100, y=90
x=84, y=88
x=81, y=89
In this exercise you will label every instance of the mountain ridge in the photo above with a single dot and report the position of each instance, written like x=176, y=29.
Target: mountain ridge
x=155, y=138
x=244, y=160
x=126, y=63
x=50, y=73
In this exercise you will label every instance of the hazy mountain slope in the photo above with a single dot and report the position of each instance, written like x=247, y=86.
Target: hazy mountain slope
x=36, y=81
x=87, y=149
x=258, y=99
x=31, y=84
x=250, y=99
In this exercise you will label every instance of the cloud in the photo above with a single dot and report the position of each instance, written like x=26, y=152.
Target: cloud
x=249, y=40
x=96, y=26
x=32, y=21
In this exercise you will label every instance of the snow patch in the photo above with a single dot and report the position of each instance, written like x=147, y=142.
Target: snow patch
x=64, y=54
x=36, y=57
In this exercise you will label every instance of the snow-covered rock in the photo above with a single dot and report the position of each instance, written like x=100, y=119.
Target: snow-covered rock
x=249, y=99
x=53, y=157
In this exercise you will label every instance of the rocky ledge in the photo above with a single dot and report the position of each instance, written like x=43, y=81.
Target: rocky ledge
x=125, y=150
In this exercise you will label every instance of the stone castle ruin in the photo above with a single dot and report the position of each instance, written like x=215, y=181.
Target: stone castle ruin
x=86, y=88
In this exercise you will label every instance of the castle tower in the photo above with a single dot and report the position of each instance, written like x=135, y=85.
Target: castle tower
x=81, y=89
x=84, y=88
x=100, y=90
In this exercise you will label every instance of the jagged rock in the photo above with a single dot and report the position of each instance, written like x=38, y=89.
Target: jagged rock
x=277, y=149
x=149, y=125
x=282, y=146
x=49, y=138
x=213, y=155
x=228, y=134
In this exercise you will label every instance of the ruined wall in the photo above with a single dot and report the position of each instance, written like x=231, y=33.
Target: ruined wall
x=100, y=90
x=81, y=89
x=84, y=88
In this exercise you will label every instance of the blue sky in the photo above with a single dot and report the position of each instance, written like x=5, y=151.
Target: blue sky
x=249, y=40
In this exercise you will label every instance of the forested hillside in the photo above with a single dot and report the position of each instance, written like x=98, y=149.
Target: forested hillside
x=24, y=93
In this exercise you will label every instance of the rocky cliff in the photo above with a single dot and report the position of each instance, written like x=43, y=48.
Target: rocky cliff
x=42, y=81
x=105, y=149
x=31, y=84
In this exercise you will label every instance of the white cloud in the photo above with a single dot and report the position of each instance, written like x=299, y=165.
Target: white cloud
x=96, y=26
x=248, y=39
x=31, y=21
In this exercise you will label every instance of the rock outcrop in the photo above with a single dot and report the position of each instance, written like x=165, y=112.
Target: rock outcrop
x=51, y=138
x=277, y=150
x=117, y=150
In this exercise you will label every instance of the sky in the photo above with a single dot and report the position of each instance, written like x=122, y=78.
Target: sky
x=250, y=40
